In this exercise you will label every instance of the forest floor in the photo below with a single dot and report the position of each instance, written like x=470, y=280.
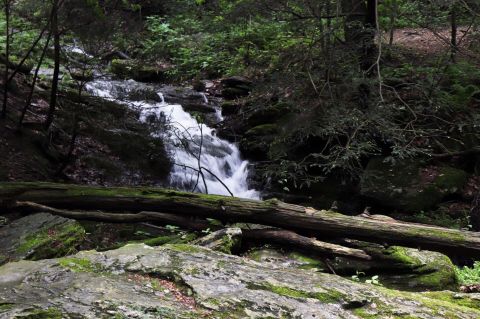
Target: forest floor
x=427, y=42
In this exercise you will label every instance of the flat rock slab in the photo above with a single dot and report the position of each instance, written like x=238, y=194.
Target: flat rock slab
x=138, y=281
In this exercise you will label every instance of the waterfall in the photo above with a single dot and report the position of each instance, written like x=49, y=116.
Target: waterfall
x=202, y=161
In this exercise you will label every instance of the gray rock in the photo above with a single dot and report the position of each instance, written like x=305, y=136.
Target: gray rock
x=39, y=236
x=225, y=240
x=132, y=281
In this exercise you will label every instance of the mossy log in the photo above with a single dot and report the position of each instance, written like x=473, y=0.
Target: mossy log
x=271, y=212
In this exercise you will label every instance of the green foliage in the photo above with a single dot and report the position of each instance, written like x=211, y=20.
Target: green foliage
x=469, y=276
x=228, y=49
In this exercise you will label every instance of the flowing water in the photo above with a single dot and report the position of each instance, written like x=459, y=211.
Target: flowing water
x=203, y=162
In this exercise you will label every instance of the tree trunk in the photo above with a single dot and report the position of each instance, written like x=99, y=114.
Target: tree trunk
x=56, y=69
x=360, y=28
x=454, y=32
x=7, y=58
x=272, y=212
x=34, y=82
x=393, y=21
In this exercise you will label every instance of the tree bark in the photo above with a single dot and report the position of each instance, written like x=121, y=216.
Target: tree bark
x=7, y=58
x=288, y=238
x=454, y=33
x=360, y=28
x=56, y=70
x=274, y=213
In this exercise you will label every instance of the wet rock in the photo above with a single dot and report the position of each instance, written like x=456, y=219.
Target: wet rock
x=182, y=96
x=230, y=108
x=262, y=130
x=408, y=187
x=143, y=93
x=82, y=75
x=235, y=81
x=39, y=236
x=138, y=71
x=202, y=283
x=257, y=140
x=235, y=93
x=235, y=87
x=195, y=107
x=226, y=240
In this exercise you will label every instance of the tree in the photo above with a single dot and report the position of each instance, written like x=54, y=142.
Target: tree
x=54, y=30
x=360, y=29
x=7, y=6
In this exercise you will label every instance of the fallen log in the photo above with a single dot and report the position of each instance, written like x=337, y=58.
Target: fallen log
x=271, y=212
x=290, y=239
x=275, y=236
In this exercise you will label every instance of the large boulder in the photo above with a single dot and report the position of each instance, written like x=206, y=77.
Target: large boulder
x=409, y=187
x=402, y=268
x=183, y=281
x=236, y=87
x=39, y=236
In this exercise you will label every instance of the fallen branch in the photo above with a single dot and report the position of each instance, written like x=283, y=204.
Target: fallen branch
x=291, y=239
x=167, y=219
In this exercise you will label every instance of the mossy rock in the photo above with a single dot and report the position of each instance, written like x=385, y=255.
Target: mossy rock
x=232, y=93
x=49, y=313
x=132, y=69
x=256, y=148
x=407, y=186
x=139, y=150
x=230, y=108
x=402, y=268
x=171, y=239
x=40, y=236
x=226, y=240
x=262, y=130
x=269, y=115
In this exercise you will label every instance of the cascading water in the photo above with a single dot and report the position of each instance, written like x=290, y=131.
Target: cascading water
x=202, y=161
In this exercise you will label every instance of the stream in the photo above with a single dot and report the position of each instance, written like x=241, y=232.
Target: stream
x=203, y=162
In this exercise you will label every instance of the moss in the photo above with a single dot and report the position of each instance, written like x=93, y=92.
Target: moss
x=436, y=272
x=325, y=297
x=400, y=255
x=228, y=244
x=439, y=302
x=172, y=239
x=6, y=306
x=308, y=262
x=53, y=242
x=454, y=299
x=262, y=130
x=380, y=313
x=79, y=265
x=50, y=313
x=186, y=248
